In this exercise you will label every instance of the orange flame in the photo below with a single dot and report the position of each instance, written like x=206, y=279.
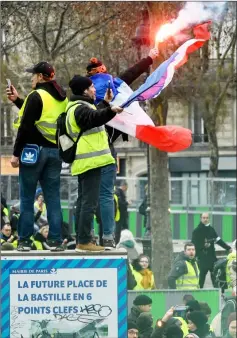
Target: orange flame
x=165, y=31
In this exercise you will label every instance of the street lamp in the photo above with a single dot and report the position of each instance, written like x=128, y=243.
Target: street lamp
x=142, y=38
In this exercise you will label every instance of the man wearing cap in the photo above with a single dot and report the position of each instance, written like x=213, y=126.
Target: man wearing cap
x=92, y=152
x=36, y=124
x=132, y=330
x=141, y=303
x=106, y=201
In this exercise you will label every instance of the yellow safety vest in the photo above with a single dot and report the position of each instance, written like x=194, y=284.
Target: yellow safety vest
x=230, y=258
x=93, y=148
x=14, y=243
x=5, y=211
x=138, y=276
x=189, y=281
x=52, y=108
x=117, y=211
x=184, y=326
x=36, y=205
x=38, y=244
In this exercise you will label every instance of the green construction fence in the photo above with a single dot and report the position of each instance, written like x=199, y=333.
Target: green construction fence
x=183, y=222
x=162, y=300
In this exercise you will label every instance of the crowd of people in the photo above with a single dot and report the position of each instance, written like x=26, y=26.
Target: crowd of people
x=37, y=152
x=36, y=223
x=192, y=322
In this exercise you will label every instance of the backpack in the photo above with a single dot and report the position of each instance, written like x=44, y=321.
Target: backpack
x=66, y=145
x=219, y=273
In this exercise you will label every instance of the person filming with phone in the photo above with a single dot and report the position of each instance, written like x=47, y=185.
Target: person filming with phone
x=184, y=273
x=36, y=152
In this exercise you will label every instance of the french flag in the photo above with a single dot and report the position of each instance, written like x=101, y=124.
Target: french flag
x=133, y=120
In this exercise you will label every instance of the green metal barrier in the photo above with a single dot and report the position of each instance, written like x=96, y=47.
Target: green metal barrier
x=182, y=222
x=162, y=300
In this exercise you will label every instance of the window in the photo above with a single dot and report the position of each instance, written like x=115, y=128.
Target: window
x=197, y=125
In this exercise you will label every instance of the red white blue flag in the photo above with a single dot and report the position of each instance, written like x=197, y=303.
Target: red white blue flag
x=133, y=120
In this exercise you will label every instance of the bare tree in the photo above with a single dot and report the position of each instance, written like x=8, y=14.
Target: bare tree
x=162, y=249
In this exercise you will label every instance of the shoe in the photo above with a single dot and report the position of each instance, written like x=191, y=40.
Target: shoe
x=89, y=247
x=55, y=246
x=24, y=246
x=109, y=243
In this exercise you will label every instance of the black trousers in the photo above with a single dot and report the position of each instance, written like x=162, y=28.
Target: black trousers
x=203, y=272
x=88, y=196
x=122, y=224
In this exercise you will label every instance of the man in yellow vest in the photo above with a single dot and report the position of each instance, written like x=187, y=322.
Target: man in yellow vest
x=184, y=274
x=92, y=153
x=36, y=124
x=7, y=237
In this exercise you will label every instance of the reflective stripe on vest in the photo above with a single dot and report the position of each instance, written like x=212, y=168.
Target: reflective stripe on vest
x=189, y=280
x=230, y=258
x=117, y=211
x=93, y=148
x=51, y=110
x=87, y=132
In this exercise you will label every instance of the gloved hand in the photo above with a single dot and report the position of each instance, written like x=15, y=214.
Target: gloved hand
x=153, y=53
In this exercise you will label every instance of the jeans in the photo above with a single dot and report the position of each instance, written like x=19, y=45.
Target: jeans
x=47, y=172
x=88, y=196
x=106, y=200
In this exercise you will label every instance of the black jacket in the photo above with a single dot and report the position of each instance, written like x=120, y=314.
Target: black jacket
x=131, y=279
x=179, y=269
x=88, y=118
x=143, y=210
x=130, y=75
x=204, y=332
x=203, y=233
x=123, y=208
x=134, y=314
x=27, y=132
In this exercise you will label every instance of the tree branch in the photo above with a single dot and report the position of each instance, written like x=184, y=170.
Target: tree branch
x=232, y=43
x=71, y=37
x=44, y=32
x=222, y=94
x=60, y=27
x=17, y=43
x=37, y=40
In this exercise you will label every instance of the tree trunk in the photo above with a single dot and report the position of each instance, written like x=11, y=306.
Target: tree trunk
x=161, y=235
x=214, y=186
x=214, y=152
x=161, y=239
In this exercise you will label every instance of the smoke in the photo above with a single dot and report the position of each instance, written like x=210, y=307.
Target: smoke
x=197, y=12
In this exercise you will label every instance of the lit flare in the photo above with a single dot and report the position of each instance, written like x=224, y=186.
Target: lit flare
x=165, y=31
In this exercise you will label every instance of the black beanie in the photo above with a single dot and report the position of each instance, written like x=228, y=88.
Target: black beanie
x=198, y=318
x=142, y=300
x=132, y=325
x=79, y=84
x=174, y=331
x=193, y=305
